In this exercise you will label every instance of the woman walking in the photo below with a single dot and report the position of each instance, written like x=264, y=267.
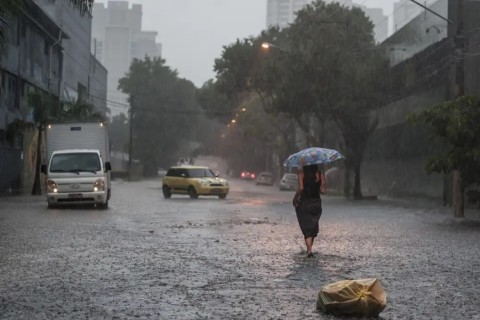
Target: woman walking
x=308, y=204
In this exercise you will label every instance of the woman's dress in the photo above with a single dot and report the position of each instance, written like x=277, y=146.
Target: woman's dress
x=310, y=208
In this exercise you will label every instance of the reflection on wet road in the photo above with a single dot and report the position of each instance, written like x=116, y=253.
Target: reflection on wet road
x=239, y=258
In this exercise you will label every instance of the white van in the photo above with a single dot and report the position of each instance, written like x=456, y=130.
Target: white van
x=78, y=169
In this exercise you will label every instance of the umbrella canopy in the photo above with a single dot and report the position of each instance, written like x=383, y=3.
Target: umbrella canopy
x=311, y=156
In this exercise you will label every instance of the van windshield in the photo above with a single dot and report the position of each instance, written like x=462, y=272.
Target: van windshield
x=75, y=162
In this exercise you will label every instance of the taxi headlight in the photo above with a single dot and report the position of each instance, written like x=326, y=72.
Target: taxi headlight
x=99, y=185
x=52, y=186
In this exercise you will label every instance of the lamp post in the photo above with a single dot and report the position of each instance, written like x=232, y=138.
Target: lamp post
x=130, y=146
x=268, y=45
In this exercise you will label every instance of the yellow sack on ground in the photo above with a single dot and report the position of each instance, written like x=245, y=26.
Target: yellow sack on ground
x=364, y=297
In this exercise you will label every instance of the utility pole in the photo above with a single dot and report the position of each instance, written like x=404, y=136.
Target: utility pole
x=130, y=155
x=458, y=90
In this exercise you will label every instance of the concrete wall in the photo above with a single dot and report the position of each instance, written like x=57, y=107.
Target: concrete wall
x=398, y=151
x=10, y=170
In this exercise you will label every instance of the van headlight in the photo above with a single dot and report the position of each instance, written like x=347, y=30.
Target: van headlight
x=99, y=185
x=51, y=186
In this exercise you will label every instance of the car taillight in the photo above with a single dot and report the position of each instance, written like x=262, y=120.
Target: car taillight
x=243, y=174
x=253, y=175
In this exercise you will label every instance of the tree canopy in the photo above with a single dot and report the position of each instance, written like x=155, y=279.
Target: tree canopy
x=455, y=123
x=164, y=111
x=323, y=68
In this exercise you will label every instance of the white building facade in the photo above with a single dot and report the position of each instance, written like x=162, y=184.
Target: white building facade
x=403, y=12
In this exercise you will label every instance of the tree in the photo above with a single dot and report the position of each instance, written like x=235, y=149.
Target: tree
x=455, y=123
x=118, y=132
x=323, y=68
x=164, y=111
x=344, y=77
x=215, y=102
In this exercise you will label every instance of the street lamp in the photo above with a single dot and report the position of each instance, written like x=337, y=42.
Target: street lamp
x=130, y=145
x=268, y=45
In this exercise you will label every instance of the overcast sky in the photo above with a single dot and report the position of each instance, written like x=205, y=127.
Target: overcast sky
x=193, y=32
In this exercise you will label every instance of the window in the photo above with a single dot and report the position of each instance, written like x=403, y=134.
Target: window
x=75, y=162
x=183, y=173
x=172, y=173
x=201, y=173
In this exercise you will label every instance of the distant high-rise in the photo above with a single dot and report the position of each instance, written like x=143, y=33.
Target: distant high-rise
x=283, y=12
x=379, y=20
x=117, y=38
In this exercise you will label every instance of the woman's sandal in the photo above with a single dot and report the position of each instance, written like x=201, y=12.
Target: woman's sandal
x=310, y=254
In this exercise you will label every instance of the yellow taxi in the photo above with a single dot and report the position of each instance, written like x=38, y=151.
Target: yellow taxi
x=194, y=181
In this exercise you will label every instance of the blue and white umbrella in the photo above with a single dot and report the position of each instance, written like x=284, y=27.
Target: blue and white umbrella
x=312, y=156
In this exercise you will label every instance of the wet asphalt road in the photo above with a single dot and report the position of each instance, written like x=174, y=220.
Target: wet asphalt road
x=239, y=258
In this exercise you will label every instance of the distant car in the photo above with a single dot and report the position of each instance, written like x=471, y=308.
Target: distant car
x=194, y=181
x=265, y=178
x=161, y=172
x=248, y=175
x=289, y=181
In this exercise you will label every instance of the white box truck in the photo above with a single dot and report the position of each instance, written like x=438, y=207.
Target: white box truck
x=78, y=164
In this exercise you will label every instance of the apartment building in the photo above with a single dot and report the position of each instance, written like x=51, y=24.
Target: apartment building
x=83, y=76
x=31, y=61
x=117, y=39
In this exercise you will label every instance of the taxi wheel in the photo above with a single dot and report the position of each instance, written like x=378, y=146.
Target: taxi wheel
x=192, y=192
x=166, y=192
x=222, y=196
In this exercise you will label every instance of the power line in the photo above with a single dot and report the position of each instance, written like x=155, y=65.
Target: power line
x=120, y=105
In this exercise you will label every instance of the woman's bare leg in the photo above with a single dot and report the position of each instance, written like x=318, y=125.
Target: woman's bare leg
x=309, y=243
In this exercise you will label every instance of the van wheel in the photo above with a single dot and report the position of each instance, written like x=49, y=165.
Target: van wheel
x=192, y=193
x=103, y=206
x=222, y=196
x=166, y=192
